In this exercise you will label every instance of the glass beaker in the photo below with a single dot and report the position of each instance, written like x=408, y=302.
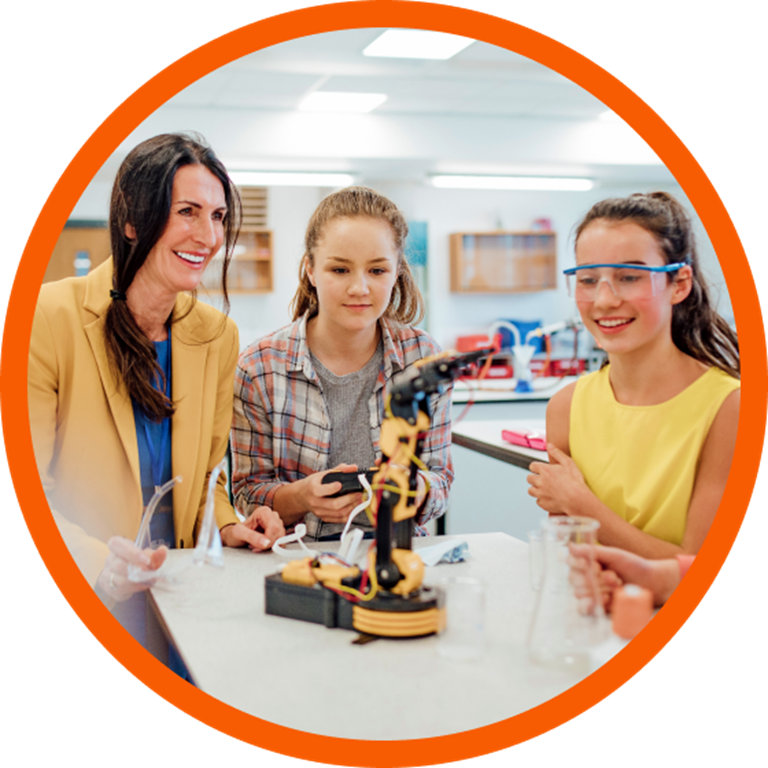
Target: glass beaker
x=565, y=627
x=463, y=636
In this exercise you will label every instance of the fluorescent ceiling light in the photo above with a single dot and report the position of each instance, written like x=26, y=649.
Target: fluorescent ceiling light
x=417, y=44
x=331, y=101
x=537, y=183
x=290, y=179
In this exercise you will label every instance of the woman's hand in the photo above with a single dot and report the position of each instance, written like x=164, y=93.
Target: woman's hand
x=559, y=486
x=113, y=579
x=259, y=532
x=315, y=496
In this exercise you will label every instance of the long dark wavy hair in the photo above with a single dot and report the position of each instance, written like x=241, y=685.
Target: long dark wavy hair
x=697, y=329
x=142, y=197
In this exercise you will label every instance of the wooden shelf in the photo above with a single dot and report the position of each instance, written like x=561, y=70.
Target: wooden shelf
x=250, y=270
x=503, y=262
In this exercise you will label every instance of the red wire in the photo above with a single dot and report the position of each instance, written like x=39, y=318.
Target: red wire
x=483, y=373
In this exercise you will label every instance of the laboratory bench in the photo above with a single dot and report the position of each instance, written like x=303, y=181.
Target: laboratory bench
x=484, y=436
x=503, y=390
x=315, y=679
x=490, y=491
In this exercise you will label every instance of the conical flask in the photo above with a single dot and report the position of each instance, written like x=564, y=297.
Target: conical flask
x=208, y=548
x=565, y=628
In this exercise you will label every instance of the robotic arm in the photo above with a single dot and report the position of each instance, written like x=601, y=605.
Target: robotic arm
x=403, y=432
x=388, y=599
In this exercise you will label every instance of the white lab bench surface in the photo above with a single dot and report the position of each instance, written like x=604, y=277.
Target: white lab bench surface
x=490, y=490
x=503, y=390
x=485, y=437
x=307, y=676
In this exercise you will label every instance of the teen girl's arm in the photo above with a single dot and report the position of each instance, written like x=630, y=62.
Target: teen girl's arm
x=436, y=455
x=559, y=487
x=255, y=478
x=265, y=525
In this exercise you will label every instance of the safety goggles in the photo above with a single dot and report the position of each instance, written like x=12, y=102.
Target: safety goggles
x=627, y=281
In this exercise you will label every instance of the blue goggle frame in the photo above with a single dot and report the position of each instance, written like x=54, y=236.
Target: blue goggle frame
x=665, y=268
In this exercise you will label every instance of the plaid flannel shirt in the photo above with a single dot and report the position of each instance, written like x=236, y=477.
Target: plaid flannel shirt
x=281, y=431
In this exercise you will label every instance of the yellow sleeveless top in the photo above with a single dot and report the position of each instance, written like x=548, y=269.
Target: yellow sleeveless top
x=641, y=461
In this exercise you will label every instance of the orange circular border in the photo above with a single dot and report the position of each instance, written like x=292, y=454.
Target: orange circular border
x=496, y=31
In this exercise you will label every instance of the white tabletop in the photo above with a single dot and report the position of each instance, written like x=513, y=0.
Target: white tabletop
x=315, y=679
x=503, y=390
x=485, y=437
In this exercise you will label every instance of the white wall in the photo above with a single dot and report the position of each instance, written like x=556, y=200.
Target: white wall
x=445, y=211
x=289, y=211
x=260, y=138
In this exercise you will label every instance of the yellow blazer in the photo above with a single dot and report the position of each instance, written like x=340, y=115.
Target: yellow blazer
x=82, y=421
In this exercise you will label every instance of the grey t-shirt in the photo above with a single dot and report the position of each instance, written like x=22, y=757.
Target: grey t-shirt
x=346, y=398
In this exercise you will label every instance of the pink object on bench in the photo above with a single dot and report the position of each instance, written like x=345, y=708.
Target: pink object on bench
x=528, y=439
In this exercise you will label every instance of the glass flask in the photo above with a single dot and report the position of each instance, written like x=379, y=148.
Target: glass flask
x=566, y=626
x=144, y=540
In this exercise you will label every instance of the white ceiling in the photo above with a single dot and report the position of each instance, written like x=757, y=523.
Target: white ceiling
x=480, y=80
x=486, y=110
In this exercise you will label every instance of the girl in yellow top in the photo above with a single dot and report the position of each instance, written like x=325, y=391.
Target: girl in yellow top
x=644, y=445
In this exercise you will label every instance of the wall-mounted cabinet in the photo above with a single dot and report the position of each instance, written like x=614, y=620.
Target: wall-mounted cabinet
x=503, y=262
x=250, y=270
x=81, y=247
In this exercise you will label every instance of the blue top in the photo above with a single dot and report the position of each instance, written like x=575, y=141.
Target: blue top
x=154, y=439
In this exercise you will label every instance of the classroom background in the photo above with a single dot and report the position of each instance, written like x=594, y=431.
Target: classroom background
x=435, y=123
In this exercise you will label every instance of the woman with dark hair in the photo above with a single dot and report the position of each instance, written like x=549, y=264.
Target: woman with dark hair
x=130, y=379
x=644, y=445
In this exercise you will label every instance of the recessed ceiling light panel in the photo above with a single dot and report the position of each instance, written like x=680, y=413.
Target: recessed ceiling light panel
x=290, y=179
x=528, y=183
x=417, y=44
x=333, y=101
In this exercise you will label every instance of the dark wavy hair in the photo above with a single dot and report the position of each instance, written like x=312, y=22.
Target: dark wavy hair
x=142, y=197
x=697, y=329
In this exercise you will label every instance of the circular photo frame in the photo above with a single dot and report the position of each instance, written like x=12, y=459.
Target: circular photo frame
x=680, y=163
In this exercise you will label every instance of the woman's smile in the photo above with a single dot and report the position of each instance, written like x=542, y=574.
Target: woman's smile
x=193, y=258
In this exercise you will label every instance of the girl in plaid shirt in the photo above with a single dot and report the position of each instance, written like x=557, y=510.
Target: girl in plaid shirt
x=310, y=397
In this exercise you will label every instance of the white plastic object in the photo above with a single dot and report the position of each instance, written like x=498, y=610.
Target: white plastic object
x=361, y=506
x=350, y=545
x=298, y=534
x=513, y=329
